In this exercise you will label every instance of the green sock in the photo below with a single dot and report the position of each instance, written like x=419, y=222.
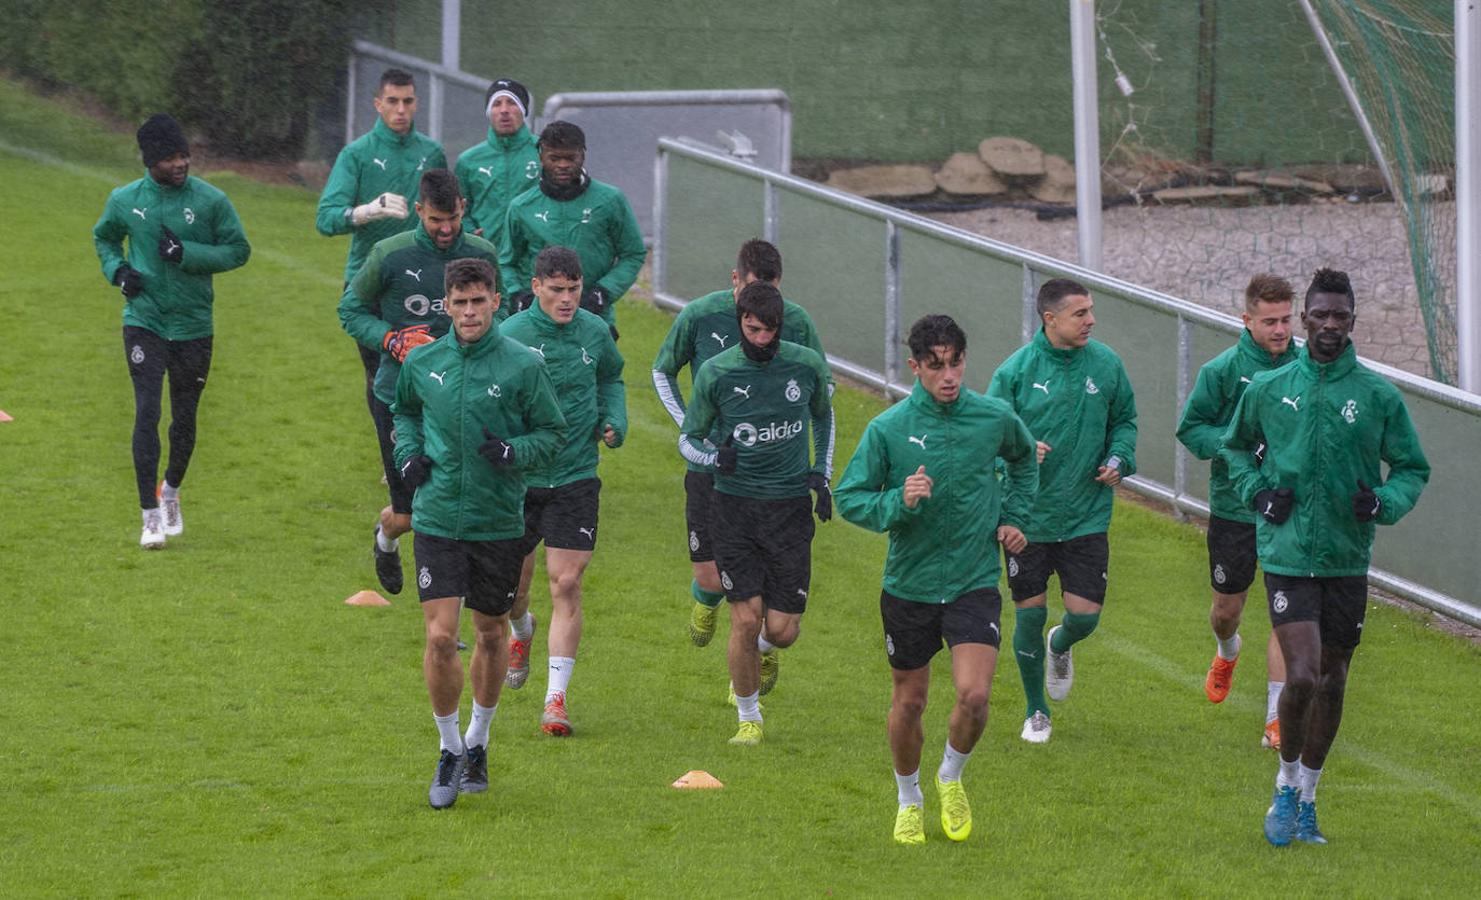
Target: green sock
x=704, y=597
x=1028, y=650
x=1074, y=628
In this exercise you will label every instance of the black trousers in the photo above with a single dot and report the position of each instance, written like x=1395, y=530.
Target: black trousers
x=187, y=363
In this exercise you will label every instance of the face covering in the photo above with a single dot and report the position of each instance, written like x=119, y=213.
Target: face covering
x=765, y=352
x=564, y=191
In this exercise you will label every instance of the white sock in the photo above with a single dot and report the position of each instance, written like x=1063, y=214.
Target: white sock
x=1289, y=774
x=748, y=708
x=386, y=545
x=952, y=762
x=149, y=512
x=168, y=491
x=523, y=627
x=1309, y=778
x=1272, y=700
x=560, y=676
x=447, y=729
x=907, y=788
x=763, y=644
x=478, y=728
x=1229, y=649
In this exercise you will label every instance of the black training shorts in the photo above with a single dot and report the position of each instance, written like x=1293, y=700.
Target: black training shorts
x=764, y=547
x=913, y=632
x=484, y=573
x=699, y=496
x=1080, y=563
x=1337, y=604
x=1231, y=555
x=564, y=517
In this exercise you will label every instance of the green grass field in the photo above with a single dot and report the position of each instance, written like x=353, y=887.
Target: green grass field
x=212, y=720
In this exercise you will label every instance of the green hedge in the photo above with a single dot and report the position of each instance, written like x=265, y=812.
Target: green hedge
x=244, y=74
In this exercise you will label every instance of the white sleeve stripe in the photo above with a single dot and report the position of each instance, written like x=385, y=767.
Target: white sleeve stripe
x=693, y=454
x=665, y=384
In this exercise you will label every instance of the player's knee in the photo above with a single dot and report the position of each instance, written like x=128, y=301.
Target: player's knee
x=909, y=704
x=973, y=702
x=1301, y=681
x=784, y=635
x=566, y=585
x=442, y=645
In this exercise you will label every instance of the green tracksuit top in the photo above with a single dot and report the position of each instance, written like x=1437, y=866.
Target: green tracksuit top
x=177, y=298
x=586, y=369
x=599, y=225
x=948, y=544
x=399, y=285
x=1326, y=426
x=767, y=408
x=702, y=329
x=378, y=161
x=1221, y=382
x=492, y=174
x=1079, y=402
x=446, y=395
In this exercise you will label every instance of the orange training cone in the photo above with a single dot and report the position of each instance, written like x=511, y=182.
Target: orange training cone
x=5, y=417
x=697, y=779
x=367, y=598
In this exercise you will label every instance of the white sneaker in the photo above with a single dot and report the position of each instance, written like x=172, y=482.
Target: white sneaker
x=173, y=524
x=1059, y=675
x=1036, y=729
x=153, y=535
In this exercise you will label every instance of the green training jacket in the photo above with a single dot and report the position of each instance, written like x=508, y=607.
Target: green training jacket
x=399, y=285
x=446, y=395
x=1080, y=403
x=702, y=329
x=1326, y=426
x=586, y=369
x=948, y=544
x=1221, y=382
x=767, y=408
x=177, y=298
x=492, y=174
x=378, y=161
x=599, y=225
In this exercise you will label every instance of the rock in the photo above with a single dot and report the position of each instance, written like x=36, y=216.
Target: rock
x=884, y=182
x=1011, y=157
x=966, y=175
x=1213, y=193
x=1118, y=180
x=1346, y=179
x=1058, y=184
x=1273, y=181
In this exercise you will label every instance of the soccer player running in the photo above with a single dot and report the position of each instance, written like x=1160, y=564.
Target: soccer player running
x=180, y=231
x=571, y=209
x=1264, y=344
x=703, y=328
x=474, y=409
x=562, y=497
x=1328, y=424
x=503, y=166
x=1073, y=394
x=763, y=394
x=919, y=474
x=366, y=194
x=395, y=303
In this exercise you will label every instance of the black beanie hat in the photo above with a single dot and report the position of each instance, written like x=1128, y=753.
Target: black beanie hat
x=160, y=138
x=519, y=92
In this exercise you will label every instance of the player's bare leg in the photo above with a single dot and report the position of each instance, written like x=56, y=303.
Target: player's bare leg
x=565, y=569
x=744, y=659
x=522, y=627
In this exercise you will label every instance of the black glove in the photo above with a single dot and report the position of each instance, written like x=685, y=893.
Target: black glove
x=823, y=508
x=496, y=450
x=1365, y=503
x=130, y=283
x=414, y=471
x=726, y=457
x=1275, y=505
x=519, y=301
x=1259, y=454
x=170, y=248
x=594, y=300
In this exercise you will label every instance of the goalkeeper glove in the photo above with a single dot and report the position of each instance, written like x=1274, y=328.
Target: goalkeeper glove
x=129, y=282
x=386, y=206
x=399, y=341
x=496, y=450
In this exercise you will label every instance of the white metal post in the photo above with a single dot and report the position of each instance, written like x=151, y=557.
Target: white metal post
x=1468, y=192
x=1087, y=131
x=452, y=33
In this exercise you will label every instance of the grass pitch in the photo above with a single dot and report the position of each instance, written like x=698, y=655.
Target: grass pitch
x=212, y=720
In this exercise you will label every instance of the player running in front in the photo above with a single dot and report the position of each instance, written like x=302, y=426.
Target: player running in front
x=473, y=410
x=1329, y=424
x=1073, y=394
x=764, y=395
x=919, y=474
x=562, y=496
x=1264, y=344
x=704, y=328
